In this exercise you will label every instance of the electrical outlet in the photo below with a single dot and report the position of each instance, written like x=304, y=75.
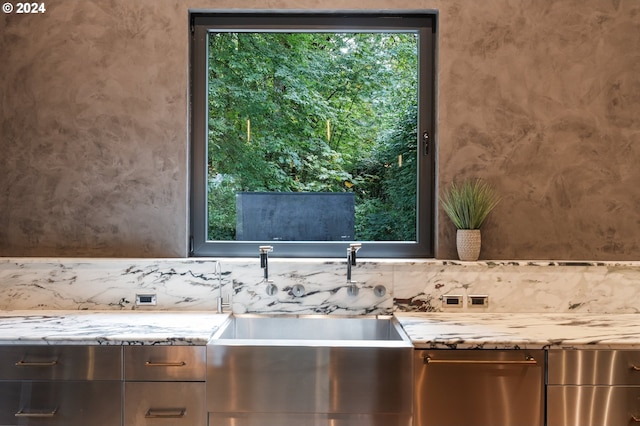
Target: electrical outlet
x=146, y=300
x=452, y=301
x=477, y=300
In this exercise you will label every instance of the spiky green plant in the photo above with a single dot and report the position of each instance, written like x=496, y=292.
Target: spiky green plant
x=469, y=203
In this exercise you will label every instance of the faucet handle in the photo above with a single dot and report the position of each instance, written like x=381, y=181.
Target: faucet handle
x=352, y=250
x=222, y=304
x=352, y=289
x=271, y=289
x=264, y=250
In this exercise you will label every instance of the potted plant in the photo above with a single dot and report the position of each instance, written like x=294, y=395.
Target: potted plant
x=468, y=204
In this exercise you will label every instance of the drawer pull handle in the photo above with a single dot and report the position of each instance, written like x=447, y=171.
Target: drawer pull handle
x=635, y=419
x=23, y=363
x=165, y=413
x=527, y=361
x=165, y=364
x=37, y=413
x=635, y=367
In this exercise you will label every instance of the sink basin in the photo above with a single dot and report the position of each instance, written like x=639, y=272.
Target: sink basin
x=316, y=370
x=294, y=330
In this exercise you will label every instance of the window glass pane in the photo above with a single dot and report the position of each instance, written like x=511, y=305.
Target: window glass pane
x=308, y=132
x=312, y=136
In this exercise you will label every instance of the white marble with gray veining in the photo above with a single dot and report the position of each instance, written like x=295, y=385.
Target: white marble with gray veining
x=107, y=327
x=426, y=330
x=324, y=283
x=411, y=285
x=521, y=330
x=192, y=284
x=108, y=284
x=521, y=286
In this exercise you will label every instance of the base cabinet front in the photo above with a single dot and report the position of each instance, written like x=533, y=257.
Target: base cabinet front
x=479, y=387
x=164, y=403
x=593, y=387
x=64, y=403
x=593, y=405
x=164, y=385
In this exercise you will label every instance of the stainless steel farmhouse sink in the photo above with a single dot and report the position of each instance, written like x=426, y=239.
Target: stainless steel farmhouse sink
x=281, y=329
x=309, y=370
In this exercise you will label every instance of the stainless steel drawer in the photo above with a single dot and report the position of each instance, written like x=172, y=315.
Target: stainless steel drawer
x=593, y=367
x=593, y=405
x=479, y=387
x=68, y=403
x=60, y=362
x=167, y=403
x=165, y=363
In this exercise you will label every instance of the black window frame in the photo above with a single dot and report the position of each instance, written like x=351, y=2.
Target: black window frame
x=424, y=22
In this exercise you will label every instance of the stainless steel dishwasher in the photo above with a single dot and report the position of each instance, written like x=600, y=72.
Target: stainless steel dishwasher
x=479, y=387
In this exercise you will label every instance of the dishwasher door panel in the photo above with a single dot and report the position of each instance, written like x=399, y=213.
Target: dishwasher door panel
x=479, y=388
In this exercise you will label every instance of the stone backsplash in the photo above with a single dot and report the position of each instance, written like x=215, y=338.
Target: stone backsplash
x=192, y=284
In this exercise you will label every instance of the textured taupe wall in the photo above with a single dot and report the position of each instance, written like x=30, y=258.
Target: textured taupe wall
x=540, y=98
x=94, y=135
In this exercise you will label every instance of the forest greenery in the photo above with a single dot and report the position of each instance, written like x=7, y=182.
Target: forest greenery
x=315, y=112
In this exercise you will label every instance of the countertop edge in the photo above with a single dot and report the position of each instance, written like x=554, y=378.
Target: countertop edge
x=425, y=330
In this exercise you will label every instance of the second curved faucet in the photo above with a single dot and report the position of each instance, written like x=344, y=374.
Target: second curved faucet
x=264, y=264
x=352, y=288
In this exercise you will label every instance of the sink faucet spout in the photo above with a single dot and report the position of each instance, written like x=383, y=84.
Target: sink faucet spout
x=264, y=264
x=264, y=260
x=351, y=261
x=221, y=303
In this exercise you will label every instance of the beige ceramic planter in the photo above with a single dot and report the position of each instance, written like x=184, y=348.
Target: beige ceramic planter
x=468, y=243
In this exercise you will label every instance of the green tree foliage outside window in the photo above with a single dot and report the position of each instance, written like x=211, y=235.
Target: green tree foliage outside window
x=314, y=112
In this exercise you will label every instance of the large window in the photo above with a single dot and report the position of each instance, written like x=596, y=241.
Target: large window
x=310, y=131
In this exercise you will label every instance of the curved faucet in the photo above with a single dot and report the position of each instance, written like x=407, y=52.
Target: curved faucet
x=221, y=303
x=264, y=264
x=352, y=288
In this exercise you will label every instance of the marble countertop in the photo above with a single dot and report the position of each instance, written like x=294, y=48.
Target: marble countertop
x=108, y=327
x=522, y=330
x=426, y=330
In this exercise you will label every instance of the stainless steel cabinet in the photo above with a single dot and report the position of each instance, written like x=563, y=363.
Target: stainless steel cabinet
x=61, y=385
x=593, y=387
x=479, y=387
x=309, y=385
x=164, y=403
x=61, y=403
x=83, y=385
x=165, y=363
x=165, y=385
x=60, y=362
